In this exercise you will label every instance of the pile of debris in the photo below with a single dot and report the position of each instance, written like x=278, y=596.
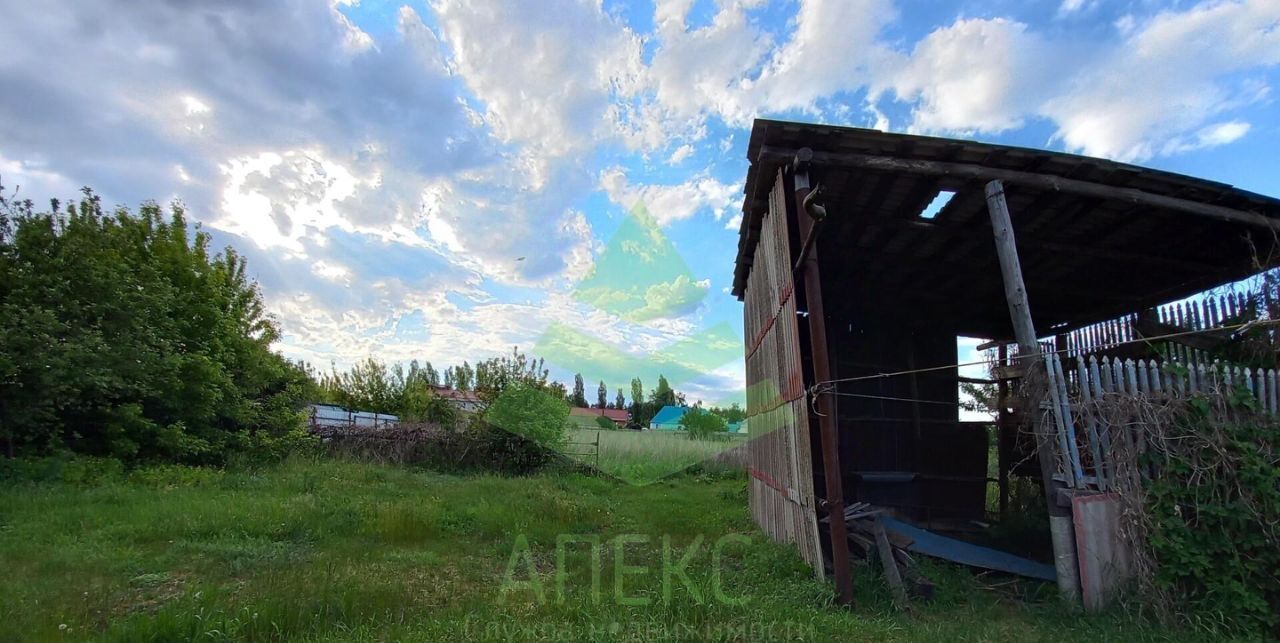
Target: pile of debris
x=879, y=536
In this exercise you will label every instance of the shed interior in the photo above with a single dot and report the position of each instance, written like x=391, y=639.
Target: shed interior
x=902, y=280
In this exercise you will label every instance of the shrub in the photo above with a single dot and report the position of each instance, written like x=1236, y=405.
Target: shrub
x=1214, y=511
x=703, y=425
x=530, y=412
x=605, y=423
x=1200, y=485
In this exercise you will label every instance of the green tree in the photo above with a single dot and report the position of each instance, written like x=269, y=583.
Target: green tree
x=494, y=375
x=734, y=412
x=602, y=396
x=702, y=424
x=122, y=334
x=664, y=395
x=620, y=402
x=557, y=389
x=637, y=391
x=579, y=392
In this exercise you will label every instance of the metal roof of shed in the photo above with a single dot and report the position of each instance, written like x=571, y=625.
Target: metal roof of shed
x=1097, y=238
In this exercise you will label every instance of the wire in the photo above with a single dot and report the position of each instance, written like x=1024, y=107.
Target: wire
x=1142, y=340
x=894, y=399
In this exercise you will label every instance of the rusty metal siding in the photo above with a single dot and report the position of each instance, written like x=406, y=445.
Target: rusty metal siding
x=779, y=460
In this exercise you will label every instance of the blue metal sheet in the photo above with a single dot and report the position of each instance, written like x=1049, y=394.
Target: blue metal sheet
x=931, y=544
x=330, y=415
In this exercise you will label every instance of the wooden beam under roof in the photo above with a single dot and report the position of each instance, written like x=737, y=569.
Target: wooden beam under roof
x=775, y=155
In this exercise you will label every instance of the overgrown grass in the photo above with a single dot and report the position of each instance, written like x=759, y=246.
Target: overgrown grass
x=339, y=551
x=642, y=457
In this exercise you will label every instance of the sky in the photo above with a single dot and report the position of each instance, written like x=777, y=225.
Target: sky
x=444, y=180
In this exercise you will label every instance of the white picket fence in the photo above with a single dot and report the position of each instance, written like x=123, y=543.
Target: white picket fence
x=1085, y=442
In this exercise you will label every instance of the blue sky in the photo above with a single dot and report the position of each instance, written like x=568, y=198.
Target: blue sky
x=433, y=180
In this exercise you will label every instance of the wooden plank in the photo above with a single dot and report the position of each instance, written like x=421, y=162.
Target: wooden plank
x=1091, y=425
x=1105, y=558
x=889, y=565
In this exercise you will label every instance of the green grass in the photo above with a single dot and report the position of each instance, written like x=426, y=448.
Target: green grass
x=338, y=551
x=642, y=457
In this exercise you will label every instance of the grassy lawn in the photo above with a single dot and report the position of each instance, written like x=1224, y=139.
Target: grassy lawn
x=336, y=551
x=641, y=457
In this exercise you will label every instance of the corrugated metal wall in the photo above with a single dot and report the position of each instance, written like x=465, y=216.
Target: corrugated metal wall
x=328, y=416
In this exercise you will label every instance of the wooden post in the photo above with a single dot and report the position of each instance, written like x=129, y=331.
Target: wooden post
x=1034, y=379
x=826, y=410
x=1002, y=426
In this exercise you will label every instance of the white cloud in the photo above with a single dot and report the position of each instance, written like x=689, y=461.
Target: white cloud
x=545, y=71
x=973, y=76
x=680, y=154
x=1160, y=89
x=1069, y=7
x=1165, y=81
x=278, y=200
x=1209, y=136
x=332, y=271
x=833, y=48
x=732, y=69
x=496, y=223
x=704, y=70
x=670, y=203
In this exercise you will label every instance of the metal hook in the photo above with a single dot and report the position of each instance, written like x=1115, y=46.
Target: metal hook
x=815, y=210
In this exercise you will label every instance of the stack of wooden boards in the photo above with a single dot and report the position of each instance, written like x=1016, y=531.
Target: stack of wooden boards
x=873, y=542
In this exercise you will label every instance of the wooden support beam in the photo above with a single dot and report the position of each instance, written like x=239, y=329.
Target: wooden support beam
x=811, y=290
x=1029, y=359
x=771, y=154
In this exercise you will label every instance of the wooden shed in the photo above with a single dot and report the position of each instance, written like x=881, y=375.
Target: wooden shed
x=863, y=255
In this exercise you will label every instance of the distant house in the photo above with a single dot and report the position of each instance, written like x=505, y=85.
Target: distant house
x=464, y=401
x=668, y=418
x=738, y=427
x=620, y=417
x=333, y=416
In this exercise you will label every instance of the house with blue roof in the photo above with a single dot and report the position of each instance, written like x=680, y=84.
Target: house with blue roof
x=668, y=418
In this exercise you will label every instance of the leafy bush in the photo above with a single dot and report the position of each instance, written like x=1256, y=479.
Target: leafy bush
x=605, y=423
x=703, y=425
x=1214, y=511
x=123, y=336
x=530, y=412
